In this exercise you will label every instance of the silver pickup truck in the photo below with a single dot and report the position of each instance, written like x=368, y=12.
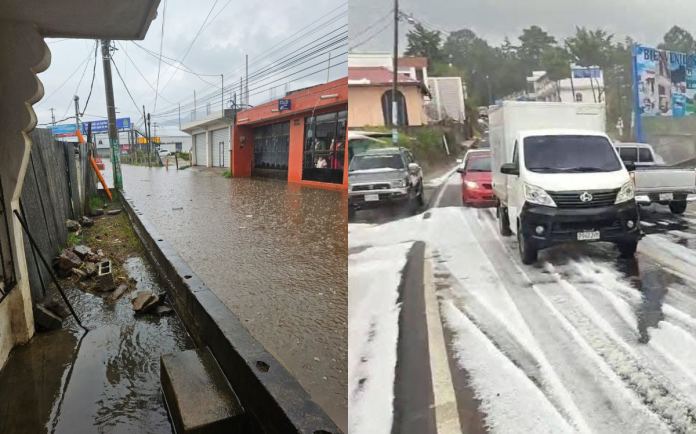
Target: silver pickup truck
x=382, y=176
x=655, y=182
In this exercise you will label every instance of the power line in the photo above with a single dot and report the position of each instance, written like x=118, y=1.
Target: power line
x=77, y=88
x=71, y=75
x=94, y=74
x=142, y=75
x=137, y=108
x=284, y=63
x=159, y=64
x=373, y=35
x=188, y=50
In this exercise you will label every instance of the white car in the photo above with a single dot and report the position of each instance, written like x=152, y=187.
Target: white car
x=164, y=153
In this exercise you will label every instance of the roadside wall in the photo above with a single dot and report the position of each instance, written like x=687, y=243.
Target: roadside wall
x=46, y=203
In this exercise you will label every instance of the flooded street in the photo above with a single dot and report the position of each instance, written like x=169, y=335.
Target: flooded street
x=107, y=380
x=274, y=253
x=593, y=342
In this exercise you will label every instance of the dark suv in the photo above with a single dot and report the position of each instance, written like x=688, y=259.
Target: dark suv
x=385, y=175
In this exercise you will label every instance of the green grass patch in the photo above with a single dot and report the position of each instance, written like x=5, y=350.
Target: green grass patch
x=227, y=174
x=74, y=239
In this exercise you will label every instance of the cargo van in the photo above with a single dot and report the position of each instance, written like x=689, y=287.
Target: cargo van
x=557, y=177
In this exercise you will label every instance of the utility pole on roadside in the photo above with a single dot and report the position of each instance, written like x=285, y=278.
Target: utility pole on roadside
x=53, y=118
x=111, y=113
x=77, y=113
x=395, y=76
x=246, y=81
x=328, y=68
x=149, y=140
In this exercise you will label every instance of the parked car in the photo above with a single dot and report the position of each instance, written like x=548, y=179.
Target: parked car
x=556, y=185
x=475, y=171
x=655, y=182
x=164, y=153
x=383, y=176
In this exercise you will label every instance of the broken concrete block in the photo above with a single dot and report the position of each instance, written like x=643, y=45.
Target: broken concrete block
x=79, y=273
x=118, y=292
x=90, y=269
x=198, y=395
x=113, y=211
x=67, y=260
x=104, y=278
x=86, y=221
x=82, y=251
x=72, y=225
x=45, y=319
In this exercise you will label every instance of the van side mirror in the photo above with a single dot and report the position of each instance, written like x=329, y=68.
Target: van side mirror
x=510, y=169
x=630, y=165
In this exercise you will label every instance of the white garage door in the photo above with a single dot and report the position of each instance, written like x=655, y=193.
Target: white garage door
x=200, y=149
x=221, y=147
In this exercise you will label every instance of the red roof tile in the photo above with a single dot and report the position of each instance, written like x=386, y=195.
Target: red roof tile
x=376, y=76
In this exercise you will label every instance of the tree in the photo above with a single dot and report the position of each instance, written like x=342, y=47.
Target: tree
x=534, y=41
x=423, y=42
x=590, y=47
x=556, y=62
x=678, y=39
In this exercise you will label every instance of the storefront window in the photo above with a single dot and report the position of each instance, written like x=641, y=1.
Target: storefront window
x=324, y=150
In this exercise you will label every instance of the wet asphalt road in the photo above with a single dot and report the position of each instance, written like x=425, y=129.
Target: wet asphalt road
x=583, y=341
x=274, y=253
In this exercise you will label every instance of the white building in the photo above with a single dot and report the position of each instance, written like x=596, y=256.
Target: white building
x=583, y=85
x=447, y=95
x=211, y=139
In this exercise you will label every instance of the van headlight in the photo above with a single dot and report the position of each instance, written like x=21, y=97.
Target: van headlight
x=537, y=195
x=626, y=193
x=399, y=184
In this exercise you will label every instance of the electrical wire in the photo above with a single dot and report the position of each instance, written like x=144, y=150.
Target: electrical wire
x=193, y=41
x=70, y=76
x=141, y=74
x=91, y=85
x=159, y=64
x=77, y=88
x=373, y=35
x=137, y=108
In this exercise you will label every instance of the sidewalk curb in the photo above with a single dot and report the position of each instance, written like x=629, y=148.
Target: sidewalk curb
x=266, y=389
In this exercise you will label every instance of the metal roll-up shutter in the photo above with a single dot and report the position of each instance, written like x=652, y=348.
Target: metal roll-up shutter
x=200, y=150
x=221, y=147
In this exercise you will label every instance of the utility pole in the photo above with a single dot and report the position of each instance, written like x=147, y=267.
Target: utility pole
x=77, y=114
x=395, y=76
x=241, y=91
x=222, y=93
x=328, y=68
x=149, y=140
x=53, y=117
x=144, y=124
x=246, y=85
x=111, y=113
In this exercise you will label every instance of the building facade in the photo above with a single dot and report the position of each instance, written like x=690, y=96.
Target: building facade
x=370, y=98
x=210, y=139
x=301, y=137
x=447, y=95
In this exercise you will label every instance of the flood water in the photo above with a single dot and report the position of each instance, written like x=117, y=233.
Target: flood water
x=105, y=381
x=274, y=253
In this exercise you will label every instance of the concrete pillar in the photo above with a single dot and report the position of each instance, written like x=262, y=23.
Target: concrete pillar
x=23, y=54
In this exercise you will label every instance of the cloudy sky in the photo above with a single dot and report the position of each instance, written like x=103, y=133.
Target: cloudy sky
x=645, y=20
x=267, y=31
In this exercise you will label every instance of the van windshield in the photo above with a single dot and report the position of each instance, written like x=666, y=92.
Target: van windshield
x=571, y=153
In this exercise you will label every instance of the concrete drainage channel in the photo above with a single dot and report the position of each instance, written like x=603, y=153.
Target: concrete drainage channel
x=230, y=383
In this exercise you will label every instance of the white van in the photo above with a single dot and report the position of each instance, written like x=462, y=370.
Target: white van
x=558, y=184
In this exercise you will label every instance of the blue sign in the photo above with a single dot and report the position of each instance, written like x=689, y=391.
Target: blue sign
x=63, y=130
x=102, y=125
x=284, y=104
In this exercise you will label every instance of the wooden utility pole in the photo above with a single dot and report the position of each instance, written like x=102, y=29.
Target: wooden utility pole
x=111, y=113
x=395, y=76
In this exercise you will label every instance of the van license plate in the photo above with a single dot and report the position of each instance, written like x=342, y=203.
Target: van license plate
x=666, y=196
x=371, y=197
x=588, y=235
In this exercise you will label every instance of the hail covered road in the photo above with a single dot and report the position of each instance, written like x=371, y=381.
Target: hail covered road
x=465, y=338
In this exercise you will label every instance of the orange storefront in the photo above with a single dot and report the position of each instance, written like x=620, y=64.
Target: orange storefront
x=301, y=137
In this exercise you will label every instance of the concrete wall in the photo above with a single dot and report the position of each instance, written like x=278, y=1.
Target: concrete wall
x=23, y=54
x=365, y=108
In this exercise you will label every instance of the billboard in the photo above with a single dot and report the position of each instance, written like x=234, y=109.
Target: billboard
x=665, y=82
x=100, y=126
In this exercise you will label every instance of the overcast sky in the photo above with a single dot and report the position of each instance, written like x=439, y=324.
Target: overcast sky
x=645, y=20
x=233, y=29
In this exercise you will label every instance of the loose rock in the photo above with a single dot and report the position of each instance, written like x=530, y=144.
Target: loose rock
x=163, y=310
x=143, y=301
x=86, y=221
x=90, y=269
x=79, y=273
x=118, y=292
x=113, y=211
x=67, y=260
x=97, y=212
x=82, y=251
x=72, y=225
